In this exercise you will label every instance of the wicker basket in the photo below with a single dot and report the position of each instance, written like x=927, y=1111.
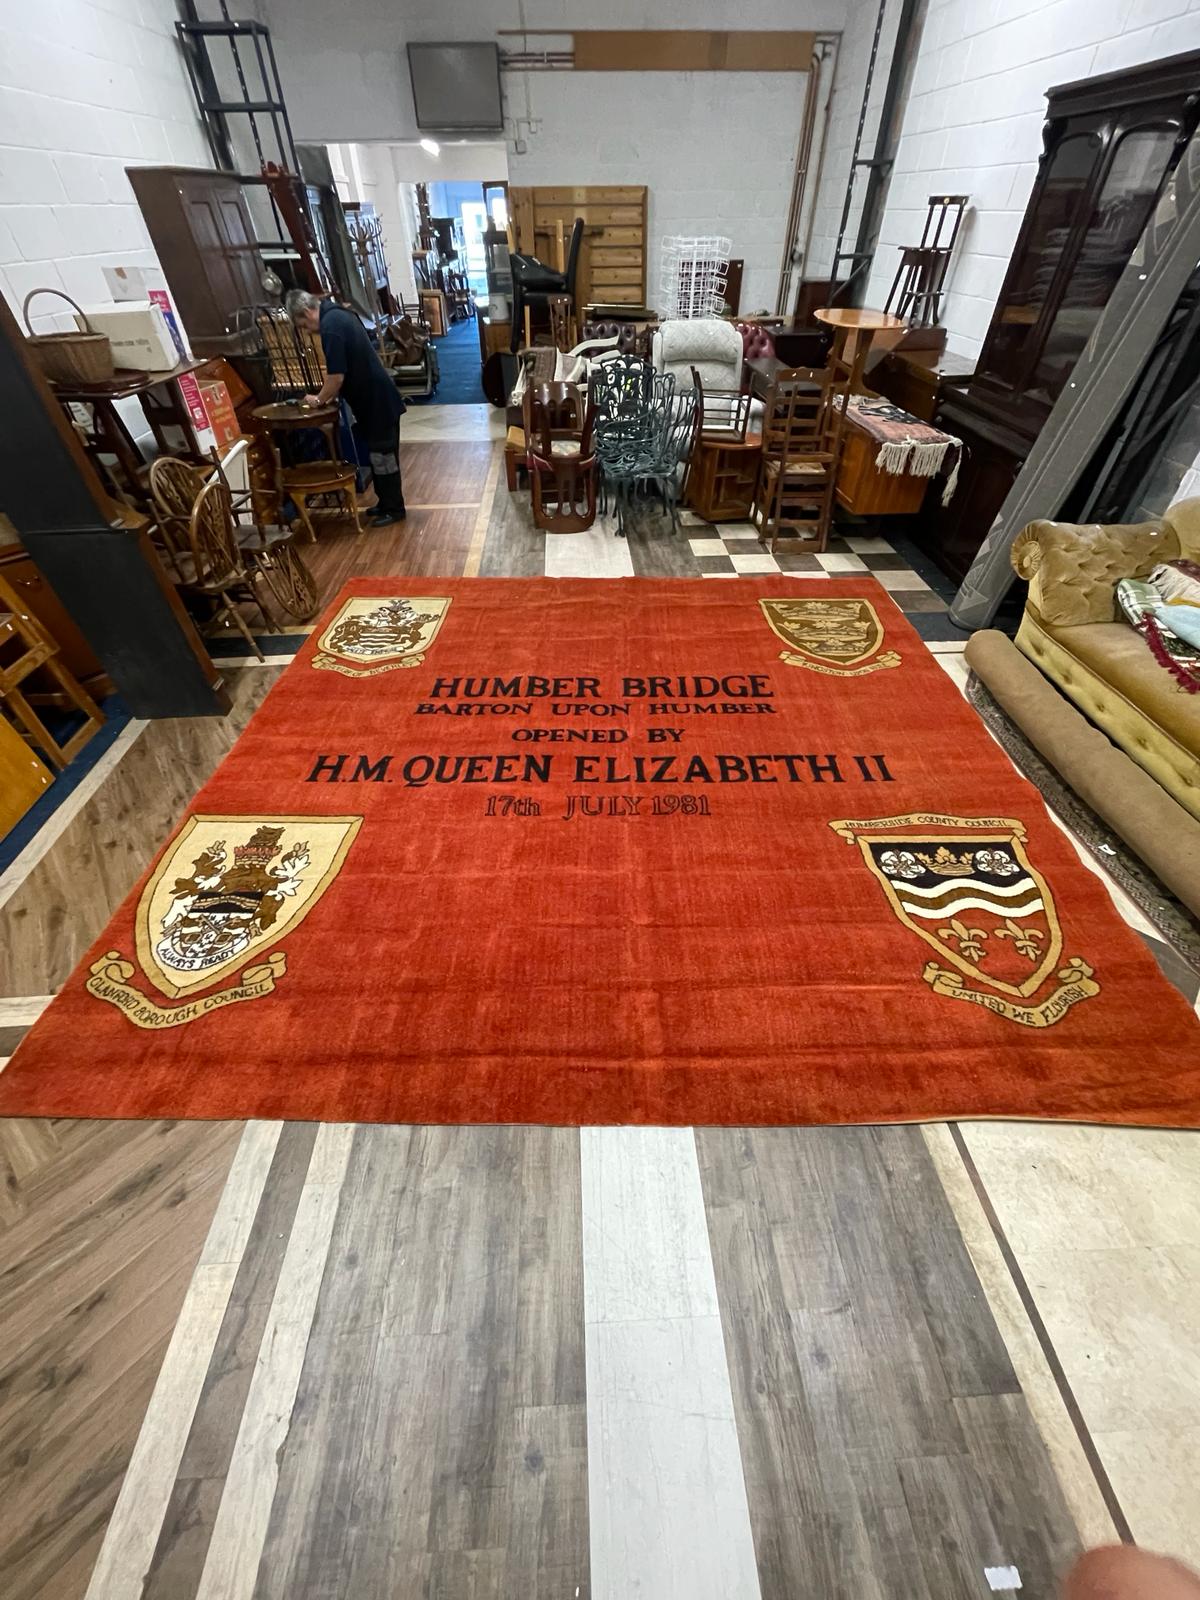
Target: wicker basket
x=69, y=357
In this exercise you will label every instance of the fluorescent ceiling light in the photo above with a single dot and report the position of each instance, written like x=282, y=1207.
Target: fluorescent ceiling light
x=431, y=147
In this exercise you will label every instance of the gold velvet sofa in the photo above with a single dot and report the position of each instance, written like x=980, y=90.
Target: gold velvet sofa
x=1071, y=631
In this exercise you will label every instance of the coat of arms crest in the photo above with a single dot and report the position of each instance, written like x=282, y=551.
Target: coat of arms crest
x=373, y=634
x=227, y=888
x=840, y=637
x=967, y=888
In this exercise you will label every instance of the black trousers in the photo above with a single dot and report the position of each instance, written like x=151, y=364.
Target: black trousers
x=384, y=451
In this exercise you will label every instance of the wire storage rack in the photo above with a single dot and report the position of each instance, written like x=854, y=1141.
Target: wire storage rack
x=693, y=275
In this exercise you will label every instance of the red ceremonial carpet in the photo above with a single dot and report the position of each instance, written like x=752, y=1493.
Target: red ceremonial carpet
x=620, y=852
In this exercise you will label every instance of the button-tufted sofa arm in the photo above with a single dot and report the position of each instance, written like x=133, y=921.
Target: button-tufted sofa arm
x=1073, y=570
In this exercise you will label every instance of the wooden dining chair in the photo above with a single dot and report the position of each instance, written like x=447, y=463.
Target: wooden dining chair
x=269, y=547
x=175, y=486
x=215, y=567
x=26, y=648
x=801, y=435
x=269, y=551
x=558, y=422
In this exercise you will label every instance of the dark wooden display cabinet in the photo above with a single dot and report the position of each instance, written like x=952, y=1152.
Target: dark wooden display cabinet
x=1108, y=144
x=201, y=229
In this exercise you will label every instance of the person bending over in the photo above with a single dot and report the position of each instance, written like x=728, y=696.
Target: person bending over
x=357, y=375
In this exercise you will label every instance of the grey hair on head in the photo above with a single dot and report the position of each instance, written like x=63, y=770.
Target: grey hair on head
x=297, y=301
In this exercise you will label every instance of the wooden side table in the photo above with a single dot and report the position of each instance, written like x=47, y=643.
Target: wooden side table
x=855, y=331
x=723, y=477
x=162, y=403
x=308, y=480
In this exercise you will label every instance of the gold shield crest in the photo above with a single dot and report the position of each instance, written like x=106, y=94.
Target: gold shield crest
x=224, y=895
x=378, y=633
x=966, y=886
x=830, y=636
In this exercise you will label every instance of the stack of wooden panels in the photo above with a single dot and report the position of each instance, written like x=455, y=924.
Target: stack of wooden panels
x=612, y=259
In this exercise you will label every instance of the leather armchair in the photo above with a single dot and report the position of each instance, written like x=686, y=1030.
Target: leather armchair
x=1072, y=630
x=633, y=339
x=757, y=340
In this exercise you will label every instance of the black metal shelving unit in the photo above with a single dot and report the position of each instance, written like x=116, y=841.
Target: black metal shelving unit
x=250, y=46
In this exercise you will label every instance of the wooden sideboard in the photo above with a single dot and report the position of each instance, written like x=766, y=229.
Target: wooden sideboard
x=919, y=380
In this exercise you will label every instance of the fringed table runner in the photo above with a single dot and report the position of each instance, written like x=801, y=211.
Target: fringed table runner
x=906, y=444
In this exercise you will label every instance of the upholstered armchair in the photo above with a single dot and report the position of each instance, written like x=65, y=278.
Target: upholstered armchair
x=709, y=344
x=1073, y=631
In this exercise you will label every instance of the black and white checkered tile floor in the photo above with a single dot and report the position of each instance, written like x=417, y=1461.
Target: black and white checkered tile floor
x=732, y=550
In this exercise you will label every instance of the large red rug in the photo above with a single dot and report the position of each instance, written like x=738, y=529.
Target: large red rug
x=632, y=851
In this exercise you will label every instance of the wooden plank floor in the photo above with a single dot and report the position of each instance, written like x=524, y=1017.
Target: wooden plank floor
x=444, y=487
x=472, y=1363
x=96, y=1265
x=876, y=1403
x=100, y=1222
x=426, y=544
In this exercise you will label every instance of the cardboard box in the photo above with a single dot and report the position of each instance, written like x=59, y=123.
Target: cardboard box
x=222, y=418
x=138, y=332
x=147, y=283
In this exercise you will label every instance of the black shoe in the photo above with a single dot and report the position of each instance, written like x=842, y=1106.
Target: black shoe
x=384, y=519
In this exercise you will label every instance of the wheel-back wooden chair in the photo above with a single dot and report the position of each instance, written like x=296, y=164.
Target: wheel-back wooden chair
x=269, y=547
x=268, y=550
x=216, y=568
x=801, y=434
x=174, y=487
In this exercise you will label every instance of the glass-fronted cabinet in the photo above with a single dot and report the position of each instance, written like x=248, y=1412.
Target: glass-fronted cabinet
x=1108, y=145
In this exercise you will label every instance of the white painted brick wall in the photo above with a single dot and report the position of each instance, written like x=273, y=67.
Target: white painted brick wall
x=973, y=121
x=87, y=88
x=716, y=150
x=369, y=175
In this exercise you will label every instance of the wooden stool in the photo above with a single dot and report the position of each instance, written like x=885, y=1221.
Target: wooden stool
x=38, y=649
